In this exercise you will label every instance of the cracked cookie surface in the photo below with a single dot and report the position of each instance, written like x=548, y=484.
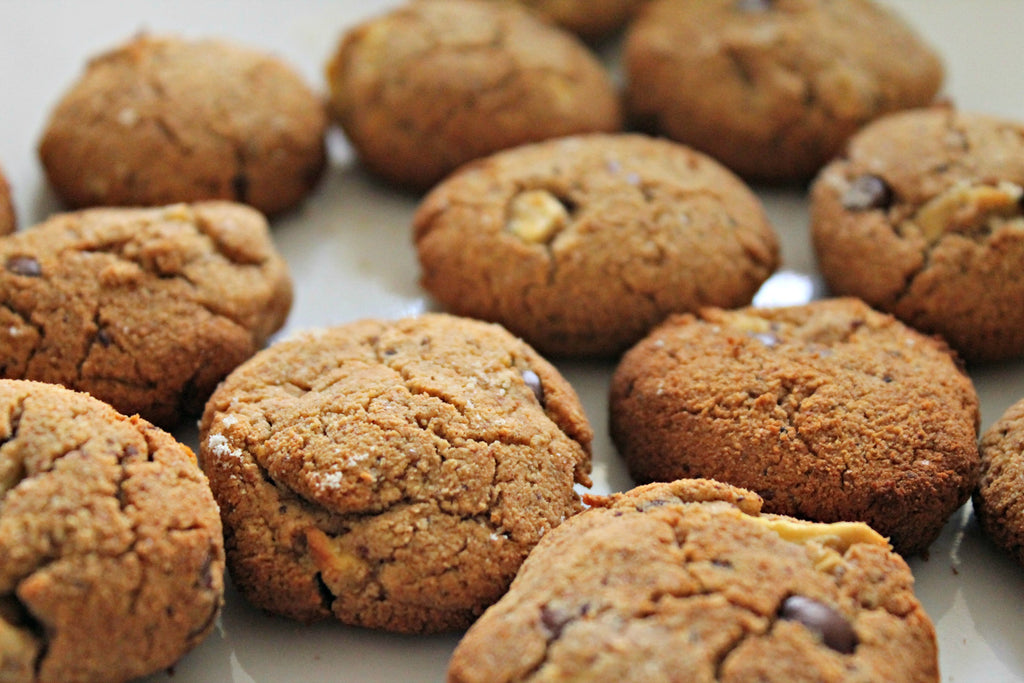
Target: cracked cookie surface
x=998, y=503
x=434, y=84
x=113, y=555
x=161, y=120
x=772, y=88
x=391, y=474
x=589, y=19
x=687, y=580
x=146, y=309
x=581, y=245
x=923, y=218
x=8, y=219
x=830, y=411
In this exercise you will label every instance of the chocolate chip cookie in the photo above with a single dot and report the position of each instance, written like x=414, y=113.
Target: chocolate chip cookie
x=689, y=581
x=772, y=88
x=922, y=217
x=113, y=555
x=433, y=84
x=162, y=119
x=146, y=309
x=391, y=474
x=830, y=411
x=589, y=19
x=8, y=219
x=581, y=245
x=998, y=504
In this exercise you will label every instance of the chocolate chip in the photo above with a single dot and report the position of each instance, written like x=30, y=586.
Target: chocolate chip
x=554, y=620
x=532, y=380
x=867, y=192
x=831, y=626
x=753, y=5
x=104, y=338
x=24, y=265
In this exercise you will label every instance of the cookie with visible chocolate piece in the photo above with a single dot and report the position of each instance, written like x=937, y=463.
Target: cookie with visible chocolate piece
x=162, y=119
x=433, y=84
x=772, y=88
x=589, y=19
x=689, y=580
x=391, y=474
x=923, y=218
x=581, y=245
x=146, y=309
x=998, y=503
x=113, y=554
x=8, y=219
x=831, y=411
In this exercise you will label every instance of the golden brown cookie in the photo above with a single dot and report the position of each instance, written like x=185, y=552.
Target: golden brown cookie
x=923, y=218
x=162, y=119
x=8, y=219
x=391, y=474
x=589, y=19
x=112, y=552
x=772, y=88
x=998, y=503
x=581, y=245
x=433, y=84
x=146, y=309
x=830, y=411
x=689, y=581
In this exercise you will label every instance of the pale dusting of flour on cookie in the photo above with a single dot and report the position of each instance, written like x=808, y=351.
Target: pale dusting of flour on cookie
x=218, y=444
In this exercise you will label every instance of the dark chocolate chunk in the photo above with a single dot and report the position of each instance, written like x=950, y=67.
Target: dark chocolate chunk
x=867, y=192
x=24, y=265
x=833, y=628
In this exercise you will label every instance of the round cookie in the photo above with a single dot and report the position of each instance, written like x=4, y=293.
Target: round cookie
x=589, y=19
x=146, y=309
x=997, y=500
x=830, y=411
x=772, y=88
x=391, y=474
x=688, y=581
x=8, y=219
x=433, y=84
x=922, y=218
x=162, y=119
x=113, y=555
x=581, y=245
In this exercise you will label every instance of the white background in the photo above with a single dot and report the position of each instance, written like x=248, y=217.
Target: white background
x=350, y=250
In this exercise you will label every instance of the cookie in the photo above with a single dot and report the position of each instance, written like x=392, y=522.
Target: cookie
x=161, y=119
x=113, y=555
x=922, y=218
x=688, y=581
x=146, y=309
x=391, y=474
x=830, y=411
x=581, y=245
x=997, y=501
x=8, y=219
x=433, y=84
x=589, y=19
x=772, y=88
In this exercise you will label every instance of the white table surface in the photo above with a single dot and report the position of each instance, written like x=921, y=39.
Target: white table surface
x=350, y=250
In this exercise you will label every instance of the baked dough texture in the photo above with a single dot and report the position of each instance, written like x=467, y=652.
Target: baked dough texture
x=922, y=217
x=589, y=19
x=581, y=245
x=772, y=88
x=162, y=119
x=113, y=554
x=689, y=581
x=391, y=474
x=831, y=411
x=434, y=84
x=998, y=503
x=146, y=309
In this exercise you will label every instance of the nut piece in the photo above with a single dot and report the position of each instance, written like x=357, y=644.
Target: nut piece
x=341, y=571
x=838, y=536
x=967, y=209
x=537, y=216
